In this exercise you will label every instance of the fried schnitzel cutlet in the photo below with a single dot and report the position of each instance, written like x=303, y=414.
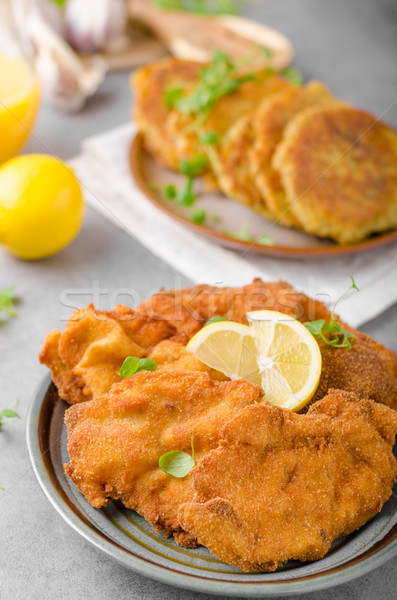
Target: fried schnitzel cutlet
x=283, y=486
x=269, y=485
x=171, y=355
x=190, y=308
x=368, y=369
x=85, y=358
x=115, y=441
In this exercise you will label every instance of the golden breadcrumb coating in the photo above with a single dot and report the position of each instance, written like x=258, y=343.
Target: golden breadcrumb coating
x=115, y=441
x=283, y=486
x=86, y=357
x=338, y=167
x=269, y=123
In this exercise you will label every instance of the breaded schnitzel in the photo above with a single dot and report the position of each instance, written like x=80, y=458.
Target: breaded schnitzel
x=283, y=486
x=171, y=355
x=368, y=369
x=190, y=308
x=115, y=441
x=85, y=358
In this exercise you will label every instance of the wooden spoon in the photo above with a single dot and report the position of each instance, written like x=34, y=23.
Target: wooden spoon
x=195, y=37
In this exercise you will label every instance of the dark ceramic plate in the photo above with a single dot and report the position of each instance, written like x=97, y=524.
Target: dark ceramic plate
x=126, y=537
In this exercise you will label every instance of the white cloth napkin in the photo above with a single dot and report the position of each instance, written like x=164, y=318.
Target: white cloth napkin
x=103, y=170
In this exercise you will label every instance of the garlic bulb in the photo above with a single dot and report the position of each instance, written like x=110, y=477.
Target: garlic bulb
x=94, y=25
x=66, y=81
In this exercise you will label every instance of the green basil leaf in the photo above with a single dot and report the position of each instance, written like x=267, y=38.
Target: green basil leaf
x=176, y=463
x=147, y=364
x=133, y=364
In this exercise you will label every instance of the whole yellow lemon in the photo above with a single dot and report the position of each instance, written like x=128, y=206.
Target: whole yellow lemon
x=41, y=206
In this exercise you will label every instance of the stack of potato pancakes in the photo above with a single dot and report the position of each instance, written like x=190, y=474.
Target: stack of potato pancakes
x=295, y=154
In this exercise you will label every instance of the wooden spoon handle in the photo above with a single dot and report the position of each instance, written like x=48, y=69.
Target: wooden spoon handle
x=195, y=37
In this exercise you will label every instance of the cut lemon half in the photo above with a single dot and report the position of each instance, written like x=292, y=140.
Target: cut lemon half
x=274, y=351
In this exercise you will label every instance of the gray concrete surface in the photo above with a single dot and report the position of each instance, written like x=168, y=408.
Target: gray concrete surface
x=351, y=45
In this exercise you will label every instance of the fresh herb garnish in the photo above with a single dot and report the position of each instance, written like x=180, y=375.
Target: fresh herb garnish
x=7, y=302
x=199, y=216
x=171, y=191
x=215, y=80
x=171, y=96
x=332, y=333
x=265, y=240
x=7, y=413
x=215, y=319
x=293, y=75
x=133, y=364
x=244, y=235
x=195, y=167
x=192, y=169
x=186, y=196
x=177, y=463
x=267, y=52
x=203, y=7
x=216, y=219
x=209, y=137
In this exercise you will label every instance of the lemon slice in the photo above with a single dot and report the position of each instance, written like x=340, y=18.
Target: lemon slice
x=228, y=347
x=289, y=358
x=274, y=351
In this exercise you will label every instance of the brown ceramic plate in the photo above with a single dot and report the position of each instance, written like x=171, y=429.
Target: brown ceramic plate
x=151, y=177
x=124, y=536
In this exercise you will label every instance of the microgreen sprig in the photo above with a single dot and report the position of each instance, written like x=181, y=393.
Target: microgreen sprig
x=133, y=364
x=7, y=302
x=177, y=463
x=203, y=7
x=217, y=79
x=244, y=235
x=293, y=75
x=209, y=137
x=332, y=333
x=8, y=414
x=191, y=169
x=199, y=216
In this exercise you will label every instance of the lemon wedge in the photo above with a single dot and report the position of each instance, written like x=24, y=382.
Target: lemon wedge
x=274, y=351
x=19, y=103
